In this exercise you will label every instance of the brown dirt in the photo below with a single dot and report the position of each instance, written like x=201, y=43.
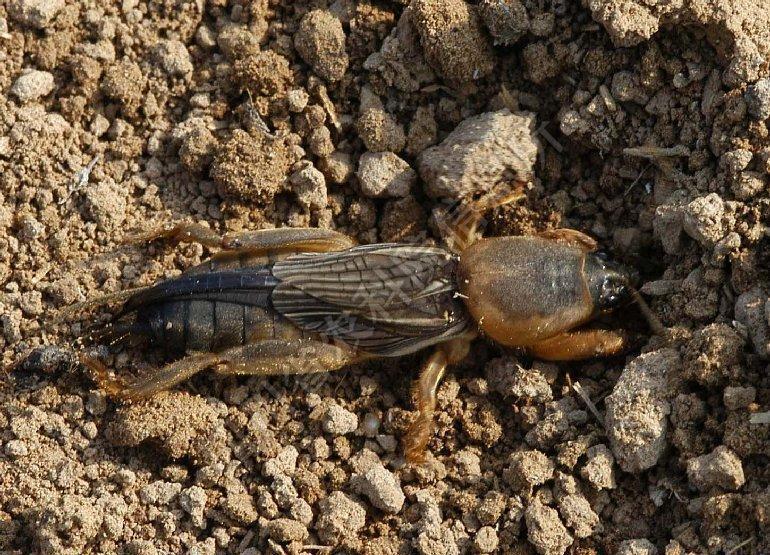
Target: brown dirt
x=246, y=115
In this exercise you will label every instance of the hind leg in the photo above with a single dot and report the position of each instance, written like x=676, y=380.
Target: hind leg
x=274, y=357
x=265, y=358
x=164, y=378
x=255, y=242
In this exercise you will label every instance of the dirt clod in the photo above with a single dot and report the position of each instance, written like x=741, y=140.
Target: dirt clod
x=454, y=41
x=383, y=174
x=381, y=487
x=251, y=166
x=480, y=153
x=264, y=73
x=31, y=85
x=320, y=41
x=545, y=531
x=638, y=408
x=720, y=468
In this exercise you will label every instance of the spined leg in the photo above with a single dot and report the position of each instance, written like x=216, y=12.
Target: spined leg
x=283, y=357
x=164, y=378
x=424, y=393
x=78, y=309
x=465, y=227
x=570, y=237
x=579, y=345
x=255, y=242
x=270, y=357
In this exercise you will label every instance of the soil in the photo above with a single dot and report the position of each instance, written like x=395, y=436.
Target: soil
x=644, y=126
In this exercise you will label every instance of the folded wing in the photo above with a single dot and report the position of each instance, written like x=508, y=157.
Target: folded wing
x=386, y=299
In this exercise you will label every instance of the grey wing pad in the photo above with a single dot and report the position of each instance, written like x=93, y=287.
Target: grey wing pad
x=386, y=299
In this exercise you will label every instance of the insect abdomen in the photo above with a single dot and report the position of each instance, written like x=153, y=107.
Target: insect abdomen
x=212, y=325
x=211, y=311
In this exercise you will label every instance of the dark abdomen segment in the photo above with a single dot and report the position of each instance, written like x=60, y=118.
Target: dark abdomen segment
x=208, y=325
x=210, y=312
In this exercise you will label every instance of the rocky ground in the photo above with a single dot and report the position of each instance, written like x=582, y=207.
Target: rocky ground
x=643, y=124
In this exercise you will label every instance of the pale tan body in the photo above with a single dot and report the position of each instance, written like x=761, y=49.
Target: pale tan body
x=543, y=326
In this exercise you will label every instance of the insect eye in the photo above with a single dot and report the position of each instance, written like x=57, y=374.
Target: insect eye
x=613, y=291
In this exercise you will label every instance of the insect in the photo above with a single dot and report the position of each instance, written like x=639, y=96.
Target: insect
x=293, y=301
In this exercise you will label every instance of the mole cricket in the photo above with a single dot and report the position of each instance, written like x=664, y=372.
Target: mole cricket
x=293, y=301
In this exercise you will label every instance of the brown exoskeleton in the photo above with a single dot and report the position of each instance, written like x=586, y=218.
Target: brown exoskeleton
x=292, y=301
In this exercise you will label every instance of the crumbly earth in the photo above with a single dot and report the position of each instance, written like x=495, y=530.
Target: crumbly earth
x=649, y=125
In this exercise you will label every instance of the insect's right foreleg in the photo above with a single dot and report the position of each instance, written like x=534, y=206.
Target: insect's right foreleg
x=580, y=345
x=424, y=393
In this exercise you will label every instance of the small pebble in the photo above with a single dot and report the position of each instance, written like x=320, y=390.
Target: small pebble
x=309, y=185
x=385, y=175
x=174, y=58
x=637, y=547
x=721, y=468
x=381, y=487
x=758, y=99
x=485, y=540
x=16, y=448
x=297, y=100
x=35, y=13
x=339, y=421
x=31, y=85
x=737, y=398
x=340, y=517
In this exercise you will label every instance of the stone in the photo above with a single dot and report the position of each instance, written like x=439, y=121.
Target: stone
x=309, y=185
x=381, y=487
x=35, y=13
x=339, y=421
x=384, y=175
x=721, y=468
x=320, y=40
x=481, y=152
x=507, y=20
x=340, y=516
x=545, y=531
x=638, y=409
x=637, y=547
x=702, y=219
x=32, y=85
x=173, y=58
x=758, y=99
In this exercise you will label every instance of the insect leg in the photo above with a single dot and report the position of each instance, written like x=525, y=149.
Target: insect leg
x=281, y=357
x=183, y=232
x=163, y=378
x=571, y=237
x=79, y=309
x=466, y=225
x=579, y=345
x=424, y=393
x=255, y=242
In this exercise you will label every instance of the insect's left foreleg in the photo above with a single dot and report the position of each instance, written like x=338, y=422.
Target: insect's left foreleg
x=424, y=393
x=579, y=345
x=467, y=222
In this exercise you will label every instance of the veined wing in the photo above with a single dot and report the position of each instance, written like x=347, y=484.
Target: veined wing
x=386, y=299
